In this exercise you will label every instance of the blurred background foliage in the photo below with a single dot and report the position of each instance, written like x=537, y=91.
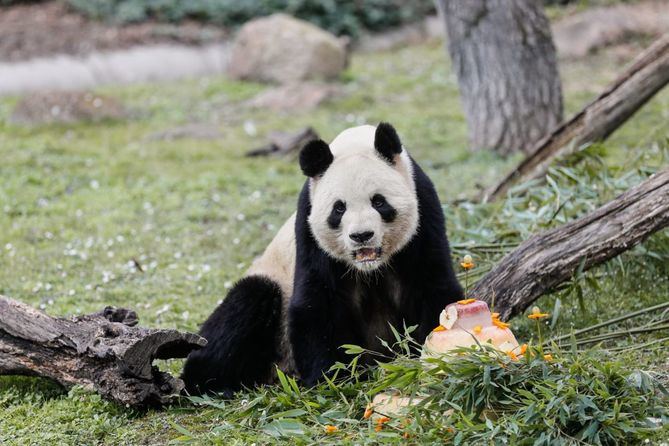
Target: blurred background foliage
x=348, y=17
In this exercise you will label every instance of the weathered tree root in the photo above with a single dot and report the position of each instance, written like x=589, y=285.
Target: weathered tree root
x=104, y=352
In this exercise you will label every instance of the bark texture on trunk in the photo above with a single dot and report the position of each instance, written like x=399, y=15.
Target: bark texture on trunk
x=103, y=351
x=505, y=61
x=547, y=259
x=646, y=75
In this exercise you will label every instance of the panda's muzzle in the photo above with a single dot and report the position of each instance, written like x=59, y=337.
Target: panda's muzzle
x=367, y=254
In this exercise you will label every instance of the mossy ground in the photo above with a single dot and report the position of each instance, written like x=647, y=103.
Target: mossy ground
x=80, y=204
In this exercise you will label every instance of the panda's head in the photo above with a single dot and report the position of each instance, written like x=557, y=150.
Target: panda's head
x=363, y=197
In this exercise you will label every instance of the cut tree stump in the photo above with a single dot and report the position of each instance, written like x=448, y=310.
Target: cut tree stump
x=547, y=259
x=646, y=75
x=104, y=352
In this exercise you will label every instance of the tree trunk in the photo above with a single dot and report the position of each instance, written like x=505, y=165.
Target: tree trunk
x=547, y=259
x=102, y=351
x=645, y=76
x=505, y=61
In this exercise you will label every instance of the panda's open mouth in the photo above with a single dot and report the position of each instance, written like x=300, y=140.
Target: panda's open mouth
x=367, y=254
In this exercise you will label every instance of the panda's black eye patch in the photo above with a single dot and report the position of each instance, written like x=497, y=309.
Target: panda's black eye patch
x=337, y=212
x=387, y=212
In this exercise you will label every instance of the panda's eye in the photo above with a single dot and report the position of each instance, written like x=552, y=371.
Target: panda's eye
x=339, y=207
x=378, y=201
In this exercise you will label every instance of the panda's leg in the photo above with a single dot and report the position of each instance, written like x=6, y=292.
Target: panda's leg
x=243, y=335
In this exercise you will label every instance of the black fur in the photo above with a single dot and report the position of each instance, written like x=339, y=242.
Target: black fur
x=243, y=335
x=330, y=305
x=386, y=210
x=336, y=214
x=315, y=158
x=386, y=142
x=322, y=314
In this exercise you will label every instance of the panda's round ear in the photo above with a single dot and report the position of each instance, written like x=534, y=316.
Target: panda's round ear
x=315, y=158
x=386, y=142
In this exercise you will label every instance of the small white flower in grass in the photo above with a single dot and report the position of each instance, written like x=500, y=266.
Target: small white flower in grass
x=110, y=254
x=191, y=267
x=153, y=264
x=215, y=198
x=256, y=194
x=241, y=265
x=42, y=306
x=8, y=246
x=227, y=285
x=185, y=315
x=7, y=209
x=94, y=184
x=177, y=255
x=88, y=287
x=120, y=238
x=206, y=268
x=219, y=301
x=241, y=217
x=71, y=293
x=48, y=235
x=47, y=286
x=164, y=309
x=235, y=241
x=49, y=302
x=42, y=202
x=250, y=128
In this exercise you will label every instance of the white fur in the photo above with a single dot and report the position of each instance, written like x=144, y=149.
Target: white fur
x=358, y=173
x=355, y=175
x=278, y=260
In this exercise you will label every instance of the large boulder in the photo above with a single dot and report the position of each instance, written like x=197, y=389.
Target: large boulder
x=66, y=107
x=582, y=33
x=282, y=49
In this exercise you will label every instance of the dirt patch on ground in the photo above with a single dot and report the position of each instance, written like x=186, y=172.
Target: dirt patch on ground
x=28, y=31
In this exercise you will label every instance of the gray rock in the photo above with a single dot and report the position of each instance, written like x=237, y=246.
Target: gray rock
x=295, y=97
x=66, y=107
x=281, y=49
x=580, y=34
x=430, y=28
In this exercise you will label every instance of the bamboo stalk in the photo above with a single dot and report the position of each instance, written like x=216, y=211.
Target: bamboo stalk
x=611, y=322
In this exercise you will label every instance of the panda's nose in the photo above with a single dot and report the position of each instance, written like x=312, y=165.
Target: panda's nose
x=361, y=237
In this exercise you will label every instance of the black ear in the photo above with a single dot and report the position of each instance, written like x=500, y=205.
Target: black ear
x=315, y=158
x=386, y=141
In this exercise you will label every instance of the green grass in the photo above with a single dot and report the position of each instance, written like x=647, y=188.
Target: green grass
x=79, y=203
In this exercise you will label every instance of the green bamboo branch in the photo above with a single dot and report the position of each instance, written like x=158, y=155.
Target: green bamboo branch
x=611, y=322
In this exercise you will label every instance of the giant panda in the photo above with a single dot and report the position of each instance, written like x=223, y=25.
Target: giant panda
x=366, y=249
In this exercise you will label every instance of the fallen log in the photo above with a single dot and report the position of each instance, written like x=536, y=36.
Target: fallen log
x=547, y=259
x=104, y=352
x=646, y=75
